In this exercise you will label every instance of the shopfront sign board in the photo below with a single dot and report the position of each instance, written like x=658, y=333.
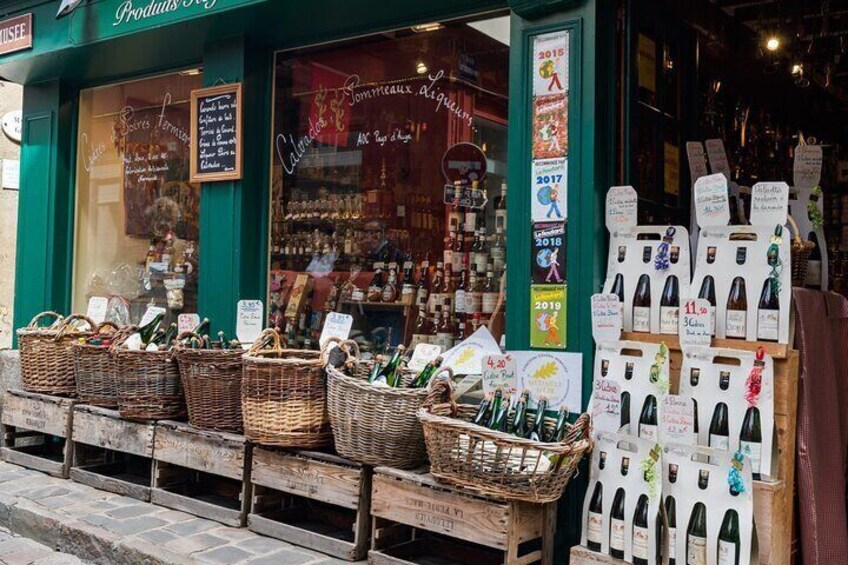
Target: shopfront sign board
x=216, y=133
x=16, y=34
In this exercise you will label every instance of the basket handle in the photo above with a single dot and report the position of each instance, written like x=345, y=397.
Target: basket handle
x=794, y=226
x=441, y=392
x=107, y=324
x=441, y=370
x=580, y=429
x=348, y=346
x=263, y=335
x=68, y=325
x=34, y=322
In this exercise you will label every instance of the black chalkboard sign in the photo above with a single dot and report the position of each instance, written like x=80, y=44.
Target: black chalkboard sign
x=216, y=133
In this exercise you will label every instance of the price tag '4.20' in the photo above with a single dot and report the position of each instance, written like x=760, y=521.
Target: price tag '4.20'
x=500, y=371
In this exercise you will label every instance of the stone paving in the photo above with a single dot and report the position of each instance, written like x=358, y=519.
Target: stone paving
x=105, y=528
x=17, y=550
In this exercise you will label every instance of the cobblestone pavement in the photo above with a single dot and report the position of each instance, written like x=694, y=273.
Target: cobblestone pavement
x=17, y=550
x=104, y=528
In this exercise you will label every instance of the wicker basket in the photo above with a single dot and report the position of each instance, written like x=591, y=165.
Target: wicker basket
x=373, y=424
x=94, y=368
x=801, y=250
x=47, y=361
x=148, y=385
x=284, y=396
x=212, y=384
x=498, y=464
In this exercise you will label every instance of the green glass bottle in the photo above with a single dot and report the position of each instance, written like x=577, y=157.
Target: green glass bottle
x=223, y=341
x=561, y=427
x=671, y=517
x=537, y=433
x=482, y=412
x=170, y=335
x=519, y=421
x=396, y=378
x=728, y=539
x=497, y=401
x=146, y=331
x=502, y=418
x=640, y=532
x=625, y=412
x=719, y=428
x=202, y=327
x=376, y=369
x=423, y=378
x=617, y=525
x=387, y=372
x=648, y=419
x=594, y=528
x=696, y=536
x=751, y=440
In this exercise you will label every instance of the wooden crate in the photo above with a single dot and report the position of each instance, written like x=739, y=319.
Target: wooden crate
x=37, y=431
x=315, y=500
x=584, y=556
x=201, y=472
x=773, y=500
x=112, y=454
x=417, y=520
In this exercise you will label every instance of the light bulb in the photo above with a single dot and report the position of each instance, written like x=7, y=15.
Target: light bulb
x=773, y=44
x=420, y=67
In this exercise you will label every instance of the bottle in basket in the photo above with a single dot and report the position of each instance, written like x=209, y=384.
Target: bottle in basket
x=423, y=378
x=482, y=412
x=537, y=433
x=519, y=423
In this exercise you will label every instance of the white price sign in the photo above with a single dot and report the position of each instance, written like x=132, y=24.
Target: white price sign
x=607, y=311
x=249, y=321
x=622, y=205
x=97, y=307
x=187, y=322
x=697, y=323
x=336, y=326
x=711, y=202
x=423, y=354
x=606, y=405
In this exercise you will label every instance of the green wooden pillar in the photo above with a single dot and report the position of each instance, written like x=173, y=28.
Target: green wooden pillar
x=234, y=215
x=46, y=203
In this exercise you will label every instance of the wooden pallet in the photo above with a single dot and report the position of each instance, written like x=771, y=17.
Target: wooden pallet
x=112, y=454
x=773, y=500
x=201, y=472
x=416, y=520
x=36, y=432
x=315, y=500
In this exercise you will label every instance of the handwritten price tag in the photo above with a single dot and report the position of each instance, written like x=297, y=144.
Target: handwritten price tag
x=606, y=405
x=97, y=306
x=187, y=322
x=697, y=323
x=336, y=325
x=607, y=313
x=499, y=371
x=697, y=160
x=677, y=420
x=423, y=354
x=622, y=204
x=808, y=166
x=711, y=202
x=718, y=157
x=769, y=203
x=249, y=321
x=150, y=314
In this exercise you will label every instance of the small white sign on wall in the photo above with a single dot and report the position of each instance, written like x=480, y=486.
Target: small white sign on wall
x=11, y=174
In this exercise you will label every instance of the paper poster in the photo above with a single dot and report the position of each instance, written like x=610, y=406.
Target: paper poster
x=548, y=256
x=555, y=376
x=711, y=203
x=336, y=325
x=769, y=203
x=249, y=321
x=187, y=322
x=550, y=126
x=550, y=63
x=499, y=371
x=808, y=166
x=11, y=174
x=697, y=323
x=677, y=420
x=466, y=357
x=547, y=316
x=607, y=317
x=97, y=306
x=606, y=405
x=423, y=354
x=621, y=208
x=550, y=190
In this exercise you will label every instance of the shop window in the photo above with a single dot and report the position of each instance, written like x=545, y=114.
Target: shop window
x=137, y=216
x=389, y=182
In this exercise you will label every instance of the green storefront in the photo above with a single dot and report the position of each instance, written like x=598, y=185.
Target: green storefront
x=107, y=209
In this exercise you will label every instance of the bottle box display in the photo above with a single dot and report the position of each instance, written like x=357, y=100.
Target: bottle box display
x=744, y=271
x=708, y=506
x=621, y=508
x=642, y=371
x=649, y=270
x=734, y=402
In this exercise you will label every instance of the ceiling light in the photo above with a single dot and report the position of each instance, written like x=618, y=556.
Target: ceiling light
x=797, y=69
x=424, y=28
x=191, y=72
x=773, y=43
x=420, y=67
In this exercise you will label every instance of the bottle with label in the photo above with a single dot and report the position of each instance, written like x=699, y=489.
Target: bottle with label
x=708, y=294
x=751, y=439
x=648, y=419
x=640, y=532
x=500, y=209
x=423, y=292
x=445, y=330
x=595, y=525
x=491, y=292
x=447, y=290
x=460, y=299
x=537, y=432
x=434, y=325
x=455, y=214
x=642, y=305
x=375, y=289
x=459, y=252
x=495, y=407
x=768, y=315
x=474, y=296
x=450, y=243
x=728, y=539
x=436, y=286
x=618, y=290
x=736, y=319
x=498, y=251
x=617, y=525
x=814, y=264
x=719, y=429
x=671, y=517
x=696, y=536
x=408, y=291
x=670, y=306
x=625, y=412
x=479, y=252
x=390, y=289
x=421, y=332
x=387, y=373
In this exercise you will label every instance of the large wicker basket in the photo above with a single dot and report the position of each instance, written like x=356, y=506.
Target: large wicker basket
x=800, y=255
x=284, y=395
x=373, y=424
x=149, y=385
x=498, y=464
x=94, y=368
x=47, y=361
x=212, y=384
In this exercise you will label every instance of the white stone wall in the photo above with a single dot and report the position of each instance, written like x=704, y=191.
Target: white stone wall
x=11, y=98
